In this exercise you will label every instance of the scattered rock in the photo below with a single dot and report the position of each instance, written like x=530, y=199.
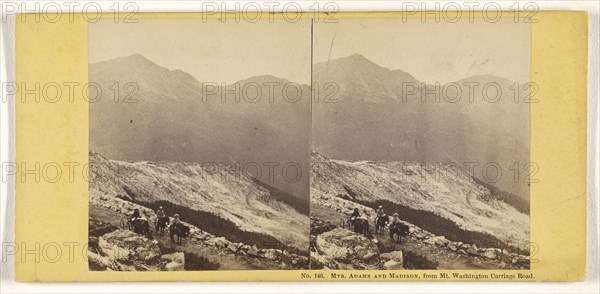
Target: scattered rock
x=452, y=246
x=440, y=241
x=318, y=226
x=253, y=251
x=232, y=247
x=271, y=254
x=490, y=253
x=394, y=255
x=392, y=265
x=177, y=256
x=124, y=250
x=176, y=261
x=420, y=235
x=473, y=250
x=98, y=228
x=344, y=249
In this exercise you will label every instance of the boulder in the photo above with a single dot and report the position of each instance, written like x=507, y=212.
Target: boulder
x=271, y=254
x=392, y=265
x=174, y=266
x=176, y=261
x=473, y=250
x=177, y=256
x=220, y=242
x=253, y=251
x=490, y=253
x=341, y=248
x=440, y=241
x=394, y=255
x=127, y=245
x=452, y=246
x=124, y=250
x=232, y=248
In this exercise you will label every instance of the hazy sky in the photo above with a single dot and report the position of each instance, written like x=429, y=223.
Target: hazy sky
x=210, y=51
x=228, y=52
x=431, y=52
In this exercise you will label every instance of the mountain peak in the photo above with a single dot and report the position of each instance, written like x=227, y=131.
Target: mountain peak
x=263, y=78
x=133, y=61
x=357, y=63
x=354, y=60
x=487, y=78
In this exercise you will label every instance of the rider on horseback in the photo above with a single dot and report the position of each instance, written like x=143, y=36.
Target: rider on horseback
x=395, y=220
x=380, y=213
x=178, y=229
x=175, y=220
x=162, y=219
x=160, y=213
x=355, y=214
x=136, y=214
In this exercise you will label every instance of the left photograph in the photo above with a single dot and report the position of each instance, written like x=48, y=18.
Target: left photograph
x=199, y=145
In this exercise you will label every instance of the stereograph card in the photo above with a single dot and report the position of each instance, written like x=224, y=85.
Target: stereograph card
x=307, y=147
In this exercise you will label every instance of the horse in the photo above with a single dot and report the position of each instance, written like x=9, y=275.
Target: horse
x=361, y=226
x=400, y=230
x=140, y=226
x=180, y=230
x=381, y=222
x=161, y=225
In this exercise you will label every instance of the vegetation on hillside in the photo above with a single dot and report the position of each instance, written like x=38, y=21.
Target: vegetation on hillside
x=218, y=226
x=522, y=205
x=300, y=205
x=441, y=226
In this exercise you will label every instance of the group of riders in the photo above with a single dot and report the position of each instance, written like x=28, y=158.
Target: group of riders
x=141, y=226
x=361, y=225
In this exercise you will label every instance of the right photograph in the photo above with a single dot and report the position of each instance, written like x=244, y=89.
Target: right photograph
x=421, y=144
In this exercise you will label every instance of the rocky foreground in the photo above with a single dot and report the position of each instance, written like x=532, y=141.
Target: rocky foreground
x=112, y=248
x=344, y=249
x=337, y=248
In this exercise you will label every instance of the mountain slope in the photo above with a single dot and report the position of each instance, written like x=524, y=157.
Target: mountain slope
x=445, y=192
x=222, y=193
